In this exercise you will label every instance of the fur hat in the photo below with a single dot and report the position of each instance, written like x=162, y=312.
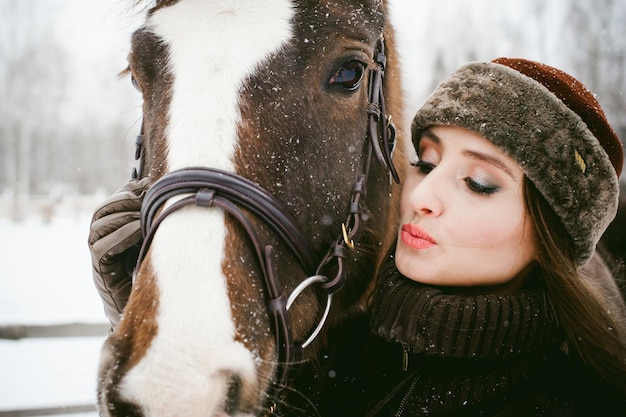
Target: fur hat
x=551, y=125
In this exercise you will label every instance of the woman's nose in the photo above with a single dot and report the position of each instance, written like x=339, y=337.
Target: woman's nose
x=426, y=197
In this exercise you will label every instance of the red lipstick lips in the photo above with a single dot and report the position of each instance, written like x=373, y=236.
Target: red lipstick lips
x=414, y=237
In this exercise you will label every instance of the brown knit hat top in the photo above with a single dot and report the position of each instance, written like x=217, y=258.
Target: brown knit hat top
x=578, y=98
x=550, y=124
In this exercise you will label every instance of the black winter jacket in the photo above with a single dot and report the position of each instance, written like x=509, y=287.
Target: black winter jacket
x=427, y=353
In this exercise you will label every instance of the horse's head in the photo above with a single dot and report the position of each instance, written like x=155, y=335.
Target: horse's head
x=277, y=92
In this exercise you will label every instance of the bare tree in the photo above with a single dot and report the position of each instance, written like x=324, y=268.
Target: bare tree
x=31, y=82
x=598, y=51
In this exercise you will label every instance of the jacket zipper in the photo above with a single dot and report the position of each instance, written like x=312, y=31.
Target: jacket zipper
x=410, y=376
x=405, y=399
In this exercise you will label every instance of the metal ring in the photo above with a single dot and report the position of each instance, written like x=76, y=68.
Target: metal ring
x=298, y=290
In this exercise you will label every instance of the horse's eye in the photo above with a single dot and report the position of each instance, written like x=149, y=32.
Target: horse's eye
x=135, y=84
x=349, y=75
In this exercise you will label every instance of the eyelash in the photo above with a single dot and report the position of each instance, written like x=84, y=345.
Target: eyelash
x=425, y=168
x=479, y=188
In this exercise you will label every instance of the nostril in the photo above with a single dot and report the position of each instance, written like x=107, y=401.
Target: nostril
x=233, y=397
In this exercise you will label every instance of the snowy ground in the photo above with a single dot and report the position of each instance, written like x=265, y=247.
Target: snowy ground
x=45, y=279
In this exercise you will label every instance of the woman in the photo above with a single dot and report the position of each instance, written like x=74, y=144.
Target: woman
x=483, y=308
x=487, y=305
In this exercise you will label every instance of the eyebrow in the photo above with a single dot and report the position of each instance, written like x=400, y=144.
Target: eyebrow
x=430, y=135
x=492, y=160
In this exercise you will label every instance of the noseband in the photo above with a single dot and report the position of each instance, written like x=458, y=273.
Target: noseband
x=240, y=197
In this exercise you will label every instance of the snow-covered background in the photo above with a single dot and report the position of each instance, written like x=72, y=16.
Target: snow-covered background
x=45, y=279
x=45, y=268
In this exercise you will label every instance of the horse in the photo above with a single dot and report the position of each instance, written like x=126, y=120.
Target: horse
x=274, y=165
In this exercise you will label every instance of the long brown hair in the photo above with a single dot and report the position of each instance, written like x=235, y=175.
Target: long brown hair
x=586, y=304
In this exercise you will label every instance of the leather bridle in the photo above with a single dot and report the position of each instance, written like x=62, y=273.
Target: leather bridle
x=240, y=197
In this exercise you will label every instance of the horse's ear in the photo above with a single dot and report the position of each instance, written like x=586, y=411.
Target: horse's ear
x=165, y=3
x=159, y=3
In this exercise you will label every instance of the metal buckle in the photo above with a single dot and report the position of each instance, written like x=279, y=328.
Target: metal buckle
x=349, y=242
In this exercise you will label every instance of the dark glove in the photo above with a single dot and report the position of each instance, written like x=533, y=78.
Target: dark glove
x=114, y=241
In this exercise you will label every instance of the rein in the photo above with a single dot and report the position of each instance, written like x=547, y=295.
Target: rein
x=240, y=197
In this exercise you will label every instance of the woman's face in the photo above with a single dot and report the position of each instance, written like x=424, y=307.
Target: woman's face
x=463, y=218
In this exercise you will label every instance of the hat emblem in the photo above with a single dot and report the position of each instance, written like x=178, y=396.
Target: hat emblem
x=580, y=161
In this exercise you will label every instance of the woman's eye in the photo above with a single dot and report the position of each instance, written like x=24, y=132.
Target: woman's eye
x=349, y=75
x=479, y=188
x=423, y=167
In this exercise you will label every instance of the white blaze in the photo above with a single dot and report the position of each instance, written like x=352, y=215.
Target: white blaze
x=213, y=47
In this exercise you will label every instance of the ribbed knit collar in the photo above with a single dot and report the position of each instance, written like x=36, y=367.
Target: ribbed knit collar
x=478, y=326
